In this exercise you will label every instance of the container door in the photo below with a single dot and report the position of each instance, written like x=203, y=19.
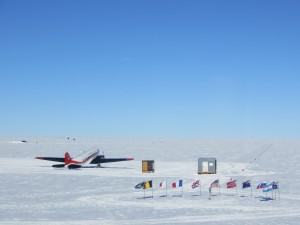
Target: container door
x=145, y=166
x=150, y=166
x=204, y=167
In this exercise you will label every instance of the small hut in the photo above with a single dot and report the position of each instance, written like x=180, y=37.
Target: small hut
x=207, y=166
x=148, y=166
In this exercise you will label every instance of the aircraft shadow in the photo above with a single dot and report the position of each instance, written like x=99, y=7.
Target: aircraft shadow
x=116, y=167
x=90, y=167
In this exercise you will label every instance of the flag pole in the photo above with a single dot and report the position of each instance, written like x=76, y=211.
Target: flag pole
x=219, y=187
x=278, y=190
x=200, y=187
x=166, y=187
x=275, y=190
x=152, y=191
x=182, y=191
x=251, y=187
x=267, y=191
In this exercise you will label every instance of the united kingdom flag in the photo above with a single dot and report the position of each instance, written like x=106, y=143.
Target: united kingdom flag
x=196, y=184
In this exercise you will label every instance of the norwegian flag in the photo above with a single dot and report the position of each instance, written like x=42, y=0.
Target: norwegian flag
x=196, y=184
x=231, y=184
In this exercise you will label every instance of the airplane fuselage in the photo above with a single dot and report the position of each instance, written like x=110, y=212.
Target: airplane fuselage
x=84, y=158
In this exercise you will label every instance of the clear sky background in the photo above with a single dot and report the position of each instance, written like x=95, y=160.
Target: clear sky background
x=150, y=68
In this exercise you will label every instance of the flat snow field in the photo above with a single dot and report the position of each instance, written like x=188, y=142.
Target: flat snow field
x=32, y=192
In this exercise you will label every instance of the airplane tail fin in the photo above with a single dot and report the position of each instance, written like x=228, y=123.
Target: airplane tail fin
x=67, y=158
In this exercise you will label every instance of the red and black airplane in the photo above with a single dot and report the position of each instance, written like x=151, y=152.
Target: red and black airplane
x=87, y=157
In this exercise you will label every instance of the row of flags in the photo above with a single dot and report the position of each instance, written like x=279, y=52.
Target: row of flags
x=232, y=184
x=266, y=187
x=148, y=184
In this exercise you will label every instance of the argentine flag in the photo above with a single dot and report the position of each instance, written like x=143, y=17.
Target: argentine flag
x=269, y=187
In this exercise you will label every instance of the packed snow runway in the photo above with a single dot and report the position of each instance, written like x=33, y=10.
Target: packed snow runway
x=32, y=192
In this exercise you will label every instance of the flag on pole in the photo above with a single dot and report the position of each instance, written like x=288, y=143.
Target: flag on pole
x=177, y=184
x=268, y=187
x=148, y=184
x=140, y=185
x=163, y=184
x=196, y=184
x=261, y=185
x=246, y=184
x=275, y=185
x=231, y=184
x=214, y=184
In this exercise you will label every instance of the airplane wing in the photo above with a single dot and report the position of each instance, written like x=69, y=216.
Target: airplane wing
x=100, y=159
x=55, y=159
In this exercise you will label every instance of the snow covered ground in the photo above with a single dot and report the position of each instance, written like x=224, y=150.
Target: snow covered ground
x=32, y=192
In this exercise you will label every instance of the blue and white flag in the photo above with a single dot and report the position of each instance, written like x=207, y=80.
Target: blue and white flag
x=268, y=187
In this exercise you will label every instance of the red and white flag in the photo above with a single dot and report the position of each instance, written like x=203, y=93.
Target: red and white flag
x=163, y=184
x=231, y=184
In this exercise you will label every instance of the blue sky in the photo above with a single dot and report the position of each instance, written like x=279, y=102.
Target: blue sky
x=150, y=68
